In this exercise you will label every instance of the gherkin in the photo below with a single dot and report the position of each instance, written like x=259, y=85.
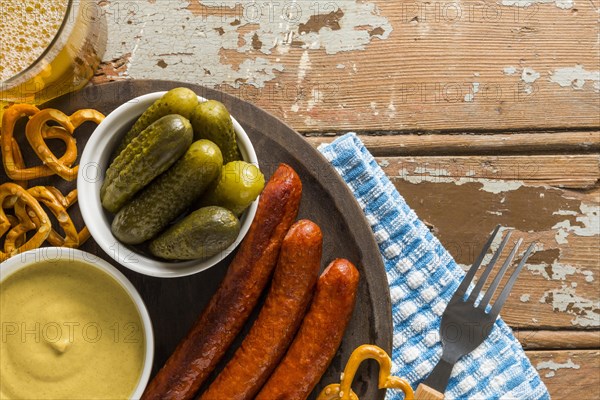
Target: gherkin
x=212, y=121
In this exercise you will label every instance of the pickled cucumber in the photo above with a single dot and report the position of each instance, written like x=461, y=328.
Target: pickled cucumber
x=148, y=155
x=202, y=234
x=239, y=185
x=169, y=195
x=180, y=101
x=212, y=121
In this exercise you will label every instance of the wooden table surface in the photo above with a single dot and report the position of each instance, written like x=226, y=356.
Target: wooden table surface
x=481, y=112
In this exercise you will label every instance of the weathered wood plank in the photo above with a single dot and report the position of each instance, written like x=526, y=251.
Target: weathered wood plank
x=553, y=340
x=397, y=144
x=559, y=288
x=373, y=65
x=569, y=374
x=572, y=171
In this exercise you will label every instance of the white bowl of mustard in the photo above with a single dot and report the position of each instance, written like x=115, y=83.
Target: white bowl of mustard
x=73, y=327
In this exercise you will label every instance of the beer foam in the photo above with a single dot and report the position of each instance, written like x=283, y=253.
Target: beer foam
x=27, y=27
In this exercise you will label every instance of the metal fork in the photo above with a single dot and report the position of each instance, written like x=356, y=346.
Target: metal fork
x=466, y=323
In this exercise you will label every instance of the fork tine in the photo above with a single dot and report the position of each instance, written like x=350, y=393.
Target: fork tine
x=477, y=289
x=490, y=291
x=513, y=278
x=464, y=285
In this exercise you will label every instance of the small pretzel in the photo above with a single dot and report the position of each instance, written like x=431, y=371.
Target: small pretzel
x=14, y=222
x=343, y=390
x=12, y=238
x=21, y=223
x=13, y=168
x=34, y=133
x=9, y=202
x=58, y=205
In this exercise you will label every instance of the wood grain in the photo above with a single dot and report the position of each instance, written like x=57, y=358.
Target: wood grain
x=555, y=340
x=569, y=374
x=426, y=393
x=398, y=144
x=428, y=66
x=559, y=286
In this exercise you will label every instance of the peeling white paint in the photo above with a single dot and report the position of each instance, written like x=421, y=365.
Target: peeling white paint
x=496, y=186
x=391, y=110
x=586, y=312
x=424, y=174
x=303, y=66
x=524, y=298
x=510, y=70
x=469, y=97
x=384, y=163
x=590, y=224
x=494, y=212
x=553, y=366
x=316, y=97
x=191, y=44
x=564, y=4
x=374, y=108
x=561, y=234
x=340, y=66
x=495, y=244
x=560, y=271
x=349, y=38
x=564, y=212
x=575, y=77
x=529, y=75
x=134, y=50
x=309, y=121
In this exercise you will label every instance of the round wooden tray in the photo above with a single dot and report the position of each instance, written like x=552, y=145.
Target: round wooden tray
x=174, y=304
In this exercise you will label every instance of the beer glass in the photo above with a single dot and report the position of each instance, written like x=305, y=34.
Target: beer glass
x=71, y=39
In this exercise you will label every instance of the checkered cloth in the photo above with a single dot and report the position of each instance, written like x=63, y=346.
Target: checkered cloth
x=423, y=277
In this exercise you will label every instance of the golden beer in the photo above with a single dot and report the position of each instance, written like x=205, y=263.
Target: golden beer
x=48, y=48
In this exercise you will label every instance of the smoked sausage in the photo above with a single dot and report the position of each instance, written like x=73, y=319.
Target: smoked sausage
x=319, y=335
x=229, y=308
x=292, y=288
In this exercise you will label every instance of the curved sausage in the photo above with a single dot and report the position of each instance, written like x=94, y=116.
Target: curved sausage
x=291, y=291
x=229, y=308
x=319, y=336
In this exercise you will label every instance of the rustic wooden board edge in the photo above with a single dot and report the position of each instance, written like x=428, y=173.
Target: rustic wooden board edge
x=434, y=144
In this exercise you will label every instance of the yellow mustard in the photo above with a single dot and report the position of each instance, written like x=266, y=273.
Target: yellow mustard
x=68, y=331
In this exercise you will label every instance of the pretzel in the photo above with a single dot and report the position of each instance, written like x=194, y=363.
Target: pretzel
x=21, y=223
x=34, y=133
x=58, y=205
x=9, y=202
x=14, y=221
x=343, y=390
x=15, y=170
x=14, y=236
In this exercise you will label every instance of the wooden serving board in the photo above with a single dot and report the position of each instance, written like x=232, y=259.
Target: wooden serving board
x=174, y=304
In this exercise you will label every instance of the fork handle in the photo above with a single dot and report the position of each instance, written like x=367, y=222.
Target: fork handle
x=425, y=392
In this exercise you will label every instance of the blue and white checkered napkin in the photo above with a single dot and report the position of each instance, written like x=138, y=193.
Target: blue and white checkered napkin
x=422, y=277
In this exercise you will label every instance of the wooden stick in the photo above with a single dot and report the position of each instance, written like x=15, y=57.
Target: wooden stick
x=424, y=392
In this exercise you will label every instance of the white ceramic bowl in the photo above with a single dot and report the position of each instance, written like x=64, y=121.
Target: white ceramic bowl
x=23, y=260
x=94, y=162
